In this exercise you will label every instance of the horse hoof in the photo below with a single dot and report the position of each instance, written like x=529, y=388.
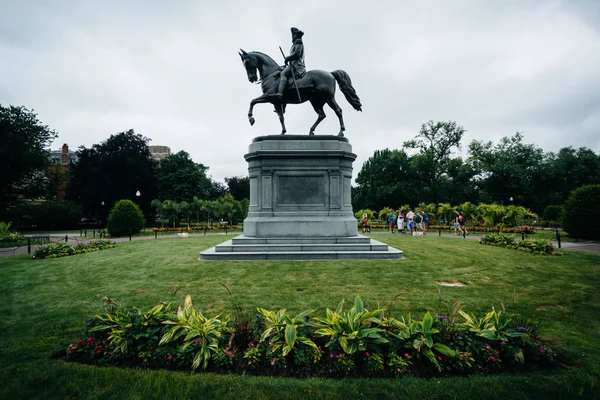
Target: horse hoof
x=283, y=132
x=341, y=133
x=311, y=133
x=251, y=119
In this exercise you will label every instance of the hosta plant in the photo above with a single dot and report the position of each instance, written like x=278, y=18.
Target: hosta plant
x=353, y=330
x=284, y=332
x=195, y=328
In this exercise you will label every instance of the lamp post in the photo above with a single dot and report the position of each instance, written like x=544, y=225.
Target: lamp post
x=138, y=194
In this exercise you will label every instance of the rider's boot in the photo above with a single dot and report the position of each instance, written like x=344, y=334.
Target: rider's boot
x=282, y=82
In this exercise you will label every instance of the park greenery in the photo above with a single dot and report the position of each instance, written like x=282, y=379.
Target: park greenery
x=54, y=250
x=484, y=215
x=558, y=295
x=536, y=246
x=124, y=219
x=354, y=342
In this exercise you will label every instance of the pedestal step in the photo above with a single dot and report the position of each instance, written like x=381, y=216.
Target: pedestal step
x=326, y=248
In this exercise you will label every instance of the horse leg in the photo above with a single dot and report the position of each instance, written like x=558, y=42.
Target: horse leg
x=338, y=111
x=260, y=99
x=318, y=106
x=279, y=111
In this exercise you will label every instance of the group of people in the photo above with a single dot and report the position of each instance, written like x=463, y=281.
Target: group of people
x=414, y=222
x=408, y=220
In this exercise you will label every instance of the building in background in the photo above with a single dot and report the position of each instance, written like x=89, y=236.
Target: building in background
x=58, y=169
x=63, y=156
x=159, y=152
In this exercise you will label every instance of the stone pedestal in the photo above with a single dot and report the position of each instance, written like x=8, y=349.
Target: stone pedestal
x=300, y=186
x=300, y=204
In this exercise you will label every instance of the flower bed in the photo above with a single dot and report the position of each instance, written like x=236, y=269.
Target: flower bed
x=195, y=228
x=536, y=246
x=356, y=342
x=524, y=229
x=64, y=249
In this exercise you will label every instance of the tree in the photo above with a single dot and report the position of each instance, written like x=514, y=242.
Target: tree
x=510, y=169
x=435, y=143
x=571, y=169
x=23, y=154
x=113, y=170
x=217, y=190
x=239, y=187
x=125, y=218
x=582, y=214
x=386, y=178
x=552, y=213
x=180, y=178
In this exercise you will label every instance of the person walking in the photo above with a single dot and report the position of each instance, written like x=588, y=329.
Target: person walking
x=391, y=221
x=400, y=221
x=460, y=218
x=424, y=221
x=410, y=216
x=365, y=223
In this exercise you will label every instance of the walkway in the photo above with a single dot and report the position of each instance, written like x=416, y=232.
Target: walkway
x=76, y=239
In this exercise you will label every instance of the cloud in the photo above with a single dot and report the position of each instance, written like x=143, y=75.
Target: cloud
x=170, y=70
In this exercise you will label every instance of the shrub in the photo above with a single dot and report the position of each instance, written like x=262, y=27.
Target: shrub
x=582, y=214
x=125, y=218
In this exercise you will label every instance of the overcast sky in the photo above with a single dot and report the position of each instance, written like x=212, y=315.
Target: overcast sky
x=171, y=70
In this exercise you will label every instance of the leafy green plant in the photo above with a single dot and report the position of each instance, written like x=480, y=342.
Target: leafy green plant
x=126, y=327
x=537, y=246
x=5, y=228
x=283, y=332
x=495, y=327
x=162, y=338
x=351, y=331
x=125, y=218
x=194, y=327
x=64, y=249
x=422, y=333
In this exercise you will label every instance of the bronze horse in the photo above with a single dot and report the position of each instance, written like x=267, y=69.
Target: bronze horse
x=315, y=86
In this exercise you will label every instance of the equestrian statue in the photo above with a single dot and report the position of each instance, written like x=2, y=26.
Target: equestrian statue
x=292, y=84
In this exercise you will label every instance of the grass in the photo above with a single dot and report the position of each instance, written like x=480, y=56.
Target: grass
x=45, y=304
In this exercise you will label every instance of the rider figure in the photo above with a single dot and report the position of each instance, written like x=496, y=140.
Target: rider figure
x=294, y=62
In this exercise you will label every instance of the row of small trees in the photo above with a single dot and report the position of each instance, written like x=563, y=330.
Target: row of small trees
x=225, y=207
x=443, y=213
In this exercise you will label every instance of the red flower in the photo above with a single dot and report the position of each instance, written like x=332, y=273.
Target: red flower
x=367, y=354
x=542, y=351
x=406, y=355
x=493, y=358
x=439, y=358
x=229, y=353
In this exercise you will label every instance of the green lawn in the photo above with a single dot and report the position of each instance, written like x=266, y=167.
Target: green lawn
x=45, y=304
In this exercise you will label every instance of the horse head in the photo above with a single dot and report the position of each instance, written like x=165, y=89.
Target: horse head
x=251, y=65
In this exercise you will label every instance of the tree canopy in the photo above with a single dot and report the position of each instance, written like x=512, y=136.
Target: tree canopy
x=23, y=155
x=180, y=178
x=118, y=168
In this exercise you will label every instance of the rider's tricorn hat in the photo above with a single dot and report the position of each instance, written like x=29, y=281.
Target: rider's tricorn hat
x=297, y=32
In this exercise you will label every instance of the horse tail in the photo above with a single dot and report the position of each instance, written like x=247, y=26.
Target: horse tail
x=343, y=79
